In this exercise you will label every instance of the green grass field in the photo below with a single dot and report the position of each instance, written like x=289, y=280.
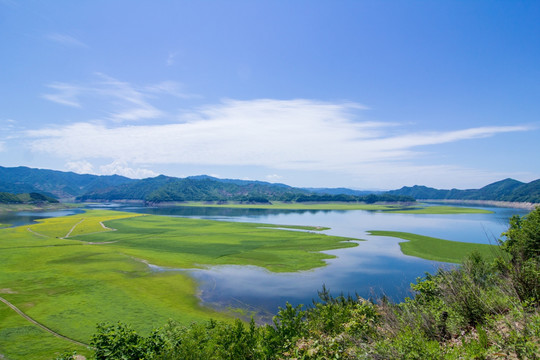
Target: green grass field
x=19, y=339
x=430, y=248
x=414, y=209
x=70, y=273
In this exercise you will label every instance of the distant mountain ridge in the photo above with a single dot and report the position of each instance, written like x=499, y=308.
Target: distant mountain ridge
x=69, y=185
x=505, y=190
x=196, y=188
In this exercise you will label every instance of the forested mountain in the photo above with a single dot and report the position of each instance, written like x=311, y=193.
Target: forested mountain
x=504, y=190
x=206, y=188
x=57, y=183
x=200, y=188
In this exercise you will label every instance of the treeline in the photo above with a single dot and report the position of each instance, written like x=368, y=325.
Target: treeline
x=164, y=189
x=481, y=310
x=368, y=199
x=26, y=198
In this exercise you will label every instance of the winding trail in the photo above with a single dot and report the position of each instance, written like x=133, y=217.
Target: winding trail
x=73, y=228
x=36, y=233
x=105, y=227
x=18, y=311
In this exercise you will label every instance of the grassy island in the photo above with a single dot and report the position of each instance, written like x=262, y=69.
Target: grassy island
x=431, y=248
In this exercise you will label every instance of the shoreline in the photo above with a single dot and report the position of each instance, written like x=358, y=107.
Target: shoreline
x=506, y=204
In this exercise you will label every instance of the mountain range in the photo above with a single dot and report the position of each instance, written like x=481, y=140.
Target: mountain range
x=71, y=186
x=504, y=190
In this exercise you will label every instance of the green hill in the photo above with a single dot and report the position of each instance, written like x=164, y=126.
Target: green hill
x=54, y=183
x=504, y=190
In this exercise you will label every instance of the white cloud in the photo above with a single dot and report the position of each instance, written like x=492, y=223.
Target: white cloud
x=2, y=146
x=80, y=167
x=274, y=177
x=121, y=168
x=65, y=40
x=279, y=134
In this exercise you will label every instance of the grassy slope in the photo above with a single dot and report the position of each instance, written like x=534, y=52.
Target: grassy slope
x=18, y=338
x=430, y=248
x=416, y=209
x=70, y=285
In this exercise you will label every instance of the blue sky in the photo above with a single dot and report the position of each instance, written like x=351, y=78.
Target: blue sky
x=362, y=94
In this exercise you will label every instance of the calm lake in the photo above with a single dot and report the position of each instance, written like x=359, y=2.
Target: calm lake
x=376, y=267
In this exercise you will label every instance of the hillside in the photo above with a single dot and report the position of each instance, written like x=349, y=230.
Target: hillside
x=203, y=188
x=505, y=190
x=57, y=183
x=69, y=185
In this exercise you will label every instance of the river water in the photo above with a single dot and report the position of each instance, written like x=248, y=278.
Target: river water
x=374, y=268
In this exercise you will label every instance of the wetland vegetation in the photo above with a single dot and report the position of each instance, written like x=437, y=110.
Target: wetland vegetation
x=70, y=273
x=431, y=248
x=73, y=272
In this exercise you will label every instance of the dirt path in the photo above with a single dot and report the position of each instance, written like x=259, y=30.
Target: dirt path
x=36, y=233
x=73, y=228
x=105, y=227
x=16, y=309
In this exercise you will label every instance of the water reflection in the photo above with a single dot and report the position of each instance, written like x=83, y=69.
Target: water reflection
x=375, y=268
x=29, y=217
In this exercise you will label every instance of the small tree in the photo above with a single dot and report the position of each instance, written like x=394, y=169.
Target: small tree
x=523, y=244
x=523, y=237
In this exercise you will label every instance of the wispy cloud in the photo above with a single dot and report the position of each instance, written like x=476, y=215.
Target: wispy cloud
x=278, y=134
x=65, y=39
x=65, y=94
x=169, y=88
x=121, y=100
x=171, y=58
x=8, y=124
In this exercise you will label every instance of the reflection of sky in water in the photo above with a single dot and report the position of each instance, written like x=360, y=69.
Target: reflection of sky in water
x=478, y=228
x=372, y=269
x=28, y=217
x=375, y=267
